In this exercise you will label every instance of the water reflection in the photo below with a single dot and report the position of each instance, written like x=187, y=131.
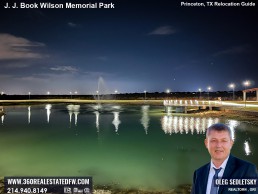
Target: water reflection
x=178, y=124
x=169, y=110
x=145, y=120
x=97, y=120
x=2, y=119
x=116, y=120
x=247, y=148
x=2, y=116
x=73, y=109
x=232, y=124
x=48, y=108
x=29, y=114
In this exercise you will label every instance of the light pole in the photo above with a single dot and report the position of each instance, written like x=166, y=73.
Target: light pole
x=145, y=95
x=209, y=89
x=200, y=90
x=233, y=88
x=115, y=94
x=168, y=91
x=246, y=83
x=29, y=95
x=97, y=95
x=48, y=94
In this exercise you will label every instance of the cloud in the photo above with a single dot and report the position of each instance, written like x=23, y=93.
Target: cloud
x=64, y=69
x=72, y=25
x=13, y=47
x=234, y=50
x=31, y=78
x=14, y=65
x=163, y=30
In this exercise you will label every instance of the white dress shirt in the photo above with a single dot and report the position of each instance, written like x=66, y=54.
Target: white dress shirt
x=212, y=173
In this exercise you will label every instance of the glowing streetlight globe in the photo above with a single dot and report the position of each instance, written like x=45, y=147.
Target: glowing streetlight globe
x=246, y=83
x=232, y=86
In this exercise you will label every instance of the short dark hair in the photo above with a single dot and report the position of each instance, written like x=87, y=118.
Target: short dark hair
x=219, y=127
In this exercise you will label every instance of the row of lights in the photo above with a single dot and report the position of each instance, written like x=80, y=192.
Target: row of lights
x=232, y=85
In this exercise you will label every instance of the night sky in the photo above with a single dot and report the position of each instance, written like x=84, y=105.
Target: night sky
x=138, y=45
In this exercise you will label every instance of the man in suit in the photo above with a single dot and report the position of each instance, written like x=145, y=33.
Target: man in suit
x=219, y=143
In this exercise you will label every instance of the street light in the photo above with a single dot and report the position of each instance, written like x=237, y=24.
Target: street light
x=246, y=83
x=29, y=95
x=145, y=95
x=75, y=93
x=97, y=94
x=209, y=89
x=48, y=94
x=233, y=88
x=200, y=90
x=115, y=94
x=168, y=91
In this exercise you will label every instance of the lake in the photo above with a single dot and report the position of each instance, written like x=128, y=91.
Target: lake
x=140, y=147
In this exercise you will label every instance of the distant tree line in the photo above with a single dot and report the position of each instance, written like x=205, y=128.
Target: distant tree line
x=223, y=95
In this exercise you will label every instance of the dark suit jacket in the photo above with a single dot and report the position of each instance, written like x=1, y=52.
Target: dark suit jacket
x=235, y=168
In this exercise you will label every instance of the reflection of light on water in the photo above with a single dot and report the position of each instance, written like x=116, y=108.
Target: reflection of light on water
x=70, y=116
x=191, y=125
x=175, y=124
x=247, y=148
x=186, y=125
x=198, y=125
x=210, y=122
x=203, y=125
x=116, y=120
x=169, y=110
x=73, y=109
x=145, y=120
x=2, y=119
x=181, y=127
x=75, y=117
x=29, y=114
x=232, y=124
x=48, y=107
x=116, y=107
x=97, y=107
x=97, y=120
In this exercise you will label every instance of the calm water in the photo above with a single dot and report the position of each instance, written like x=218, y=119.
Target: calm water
x=130, y=146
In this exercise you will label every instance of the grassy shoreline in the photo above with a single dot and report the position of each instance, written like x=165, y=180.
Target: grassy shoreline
x=80, y=101
x=244, y=114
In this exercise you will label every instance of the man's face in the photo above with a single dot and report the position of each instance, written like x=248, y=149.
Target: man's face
x=219, y=145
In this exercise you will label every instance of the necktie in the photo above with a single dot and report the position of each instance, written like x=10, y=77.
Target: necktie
x=214, y=188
